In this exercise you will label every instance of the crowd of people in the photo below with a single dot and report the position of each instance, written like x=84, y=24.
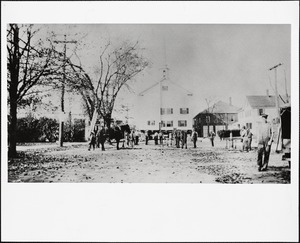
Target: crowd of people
x=176, y=137
x=132, y=137
x=179, y=138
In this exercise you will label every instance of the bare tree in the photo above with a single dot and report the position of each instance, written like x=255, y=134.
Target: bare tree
x=211, y=104
x=28, y=63
x=115, y=69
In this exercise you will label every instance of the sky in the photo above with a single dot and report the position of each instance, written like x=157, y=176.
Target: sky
x=215, y=61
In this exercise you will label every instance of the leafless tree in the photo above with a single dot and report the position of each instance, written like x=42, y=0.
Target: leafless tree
x=116, y=67
x=29, y=62
x=211, y=103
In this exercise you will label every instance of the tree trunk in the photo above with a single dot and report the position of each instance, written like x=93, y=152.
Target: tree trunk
x=12, y=152
x=13, y=114
x=13, y=94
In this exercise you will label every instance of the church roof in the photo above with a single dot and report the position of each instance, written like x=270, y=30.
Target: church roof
x=169, y=81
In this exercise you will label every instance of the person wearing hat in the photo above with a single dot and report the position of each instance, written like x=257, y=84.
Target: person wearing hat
x=194, y=137
x=265, y=139
x=92, y=141
x=102, y=137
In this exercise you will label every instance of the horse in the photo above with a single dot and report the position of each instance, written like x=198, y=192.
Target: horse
x=117, y=134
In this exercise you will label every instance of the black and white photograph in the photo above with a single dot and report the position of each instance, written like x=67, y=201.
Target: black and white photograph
x=160, y=103
x=149, y=103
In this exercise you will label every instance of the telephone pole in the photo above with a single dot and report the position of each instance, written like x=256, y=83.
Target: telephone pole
x=127, y=114
x=277, y=104
x=286, y=92
x=61, y=122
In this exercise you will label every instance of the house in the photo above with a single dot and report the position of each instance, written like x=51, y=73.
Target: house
x=217, y=117
x=165, y=105
x=254, y=106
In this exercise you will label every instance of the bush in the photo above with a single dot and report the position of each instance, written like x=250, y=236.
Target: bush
x=30, y=129
x=79, y=130
x=49, y=129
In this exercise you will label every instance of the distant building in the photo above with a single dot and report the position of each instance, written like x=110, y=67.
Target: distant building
x=164, y=105
x=254, y=106
x=217, y=117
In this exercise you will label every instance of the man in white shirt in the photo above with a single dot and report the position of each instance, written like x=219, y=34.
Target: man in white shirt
x=264, y=138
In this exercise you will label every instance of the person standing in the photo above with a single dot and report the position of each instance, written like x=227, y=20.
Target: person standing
x=244, y=134
x=183, y=138
x=156, y=138
x=212, y=137
x=146, y=137
x=118, y=134
x=264, y=139
x=177, y=138
x=194, y=137
x=92, y=141
x=160, y=136
x=136, y=137
x=170, y=138
x=102, y=137
x=132, y=138
x=250, y=135
x=97, y=131
x=127, y=138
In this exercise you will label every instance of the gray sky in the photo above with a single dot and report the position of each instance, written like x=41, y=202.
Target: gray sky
x=217, y=60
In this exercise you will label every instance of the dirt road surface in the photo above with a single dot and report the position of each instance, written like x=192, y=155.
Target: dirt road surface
x=144, y=164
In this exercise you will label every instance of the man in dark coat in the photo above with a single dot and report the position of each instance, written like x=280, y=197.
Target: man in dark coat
x=183, y=138
x=146, y=137
x=102, y=137
x=212, y=137
x=194, y=137
x=92, y=141
x=177, y=138
x=118, y=135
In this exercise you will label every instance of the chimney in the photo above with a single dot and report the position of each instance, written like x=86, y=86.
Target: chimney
x=230, y=102
x=268, y=93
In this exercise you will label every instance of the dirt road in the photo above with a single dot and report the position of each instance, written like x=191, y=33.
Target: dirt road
x=144, y=164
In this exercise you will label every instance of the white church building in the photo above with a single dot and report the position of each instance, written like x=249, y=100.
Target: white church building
x=165, y=105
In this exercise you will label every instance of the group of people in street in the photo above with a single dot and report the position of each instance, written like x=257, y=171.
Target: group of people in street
x=176, y=137
x=179, y=137
x=99, y=136
x=130, y=137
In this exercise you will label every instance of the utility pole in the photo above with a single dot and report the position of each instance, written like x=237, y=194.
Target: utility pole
x=127, y=114
x=286, y=92
x=277, y=106
x=61, y=123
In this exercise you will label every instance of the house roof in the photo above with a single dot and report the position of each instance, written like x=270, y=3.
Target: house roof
x=221, y=107
x=263, y=101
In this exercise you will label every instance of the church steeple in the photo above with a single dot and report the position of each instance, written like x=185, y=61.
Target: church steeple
x=166, y=72
x=165, y=68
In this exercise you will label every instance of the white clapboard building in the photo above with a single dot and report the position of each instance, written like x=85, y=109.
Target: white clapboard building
x=165, y=105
